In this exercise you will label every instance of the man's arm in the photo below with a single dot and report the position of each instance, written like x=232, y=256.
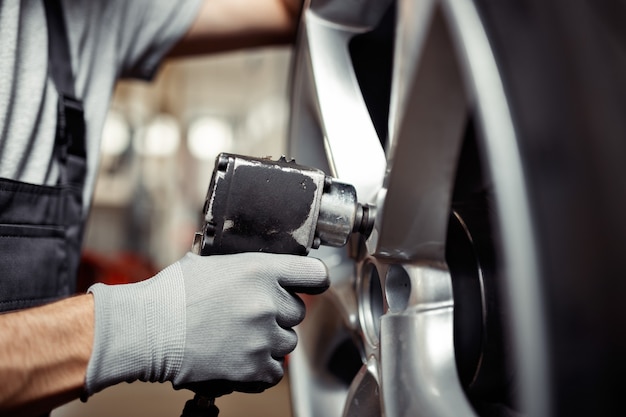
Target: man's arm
x=44, y=353
x=223, y=25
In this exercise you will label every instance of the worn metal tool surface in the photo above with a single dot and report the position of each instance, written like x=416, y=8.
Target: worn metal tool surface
x=260, y=205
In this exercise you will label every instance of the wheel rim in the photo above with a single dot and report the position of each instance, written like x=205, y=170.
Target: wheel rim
x=392, y=295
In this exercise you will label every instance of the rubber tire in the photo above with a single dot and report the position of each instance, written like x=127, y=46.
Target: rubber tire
x=563, y=63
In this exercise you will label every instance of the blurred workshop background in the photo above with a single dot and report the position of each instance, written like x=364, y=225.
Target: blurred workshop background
x=159, y=146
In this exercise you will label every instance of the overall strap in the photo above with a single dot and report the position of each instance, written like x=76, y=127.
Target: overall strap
x=59, y=59
x=71, y=122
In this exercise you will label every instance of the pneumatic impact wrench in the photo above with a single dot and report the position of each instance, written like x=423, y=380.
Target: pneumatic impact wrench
x=260, y=205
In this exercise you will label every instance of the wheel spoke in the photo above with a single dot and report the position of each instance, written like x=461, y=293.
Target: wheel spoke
x=422, y=161
x=333, y=92
x=417, y=349
x=414, y=19
x=363, y=398
x=316, y=389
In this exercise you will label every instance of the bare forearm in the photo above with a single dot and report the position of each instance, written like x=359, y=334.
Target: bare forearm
x=44, y=353
x=224, y=25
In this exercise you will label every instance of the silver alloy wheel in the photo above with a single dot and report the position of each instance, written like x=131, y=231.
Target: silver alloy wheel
x=392, y=295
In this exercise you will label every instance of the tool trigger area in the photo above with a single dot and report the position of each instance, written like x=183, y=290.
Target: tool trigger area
x=200, y=406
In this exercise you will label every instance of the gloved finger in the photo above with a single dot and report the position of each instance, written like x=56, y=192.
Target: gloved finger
x=291, y=310
x=219, y=387
x=274, y=372
x=303, y=274
x=286, y=344
x=264, y=373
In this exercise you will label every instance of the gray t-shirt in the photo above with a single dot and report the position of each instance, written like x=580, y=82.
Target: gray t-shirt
x=109, y=39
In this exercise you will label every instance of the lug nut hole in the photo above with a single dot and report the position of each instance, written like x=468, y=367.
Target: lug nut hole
x=397, y=288
x=372, y=307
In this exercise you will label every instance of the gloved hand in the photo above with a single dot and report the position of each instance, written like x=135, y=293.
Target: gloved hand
x=204, y=318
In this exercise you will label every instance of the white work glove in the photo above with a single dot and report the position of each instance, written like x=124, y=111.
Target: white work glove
x=203, y=323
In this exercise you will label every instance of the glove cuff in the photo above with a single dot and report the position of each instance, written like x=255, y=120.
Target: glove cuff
x=139, y=331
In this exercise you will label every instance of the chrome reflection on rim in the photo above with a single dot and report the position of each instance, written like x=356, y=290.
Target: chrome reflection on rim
x=392, y=309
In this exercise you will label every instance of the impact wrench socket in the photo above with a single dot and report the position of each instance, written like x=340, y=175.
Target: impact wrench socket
x=260, y=205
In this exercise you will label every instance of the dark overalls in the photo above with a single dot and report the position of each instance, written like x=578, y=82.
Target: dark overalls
x=41, y=226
